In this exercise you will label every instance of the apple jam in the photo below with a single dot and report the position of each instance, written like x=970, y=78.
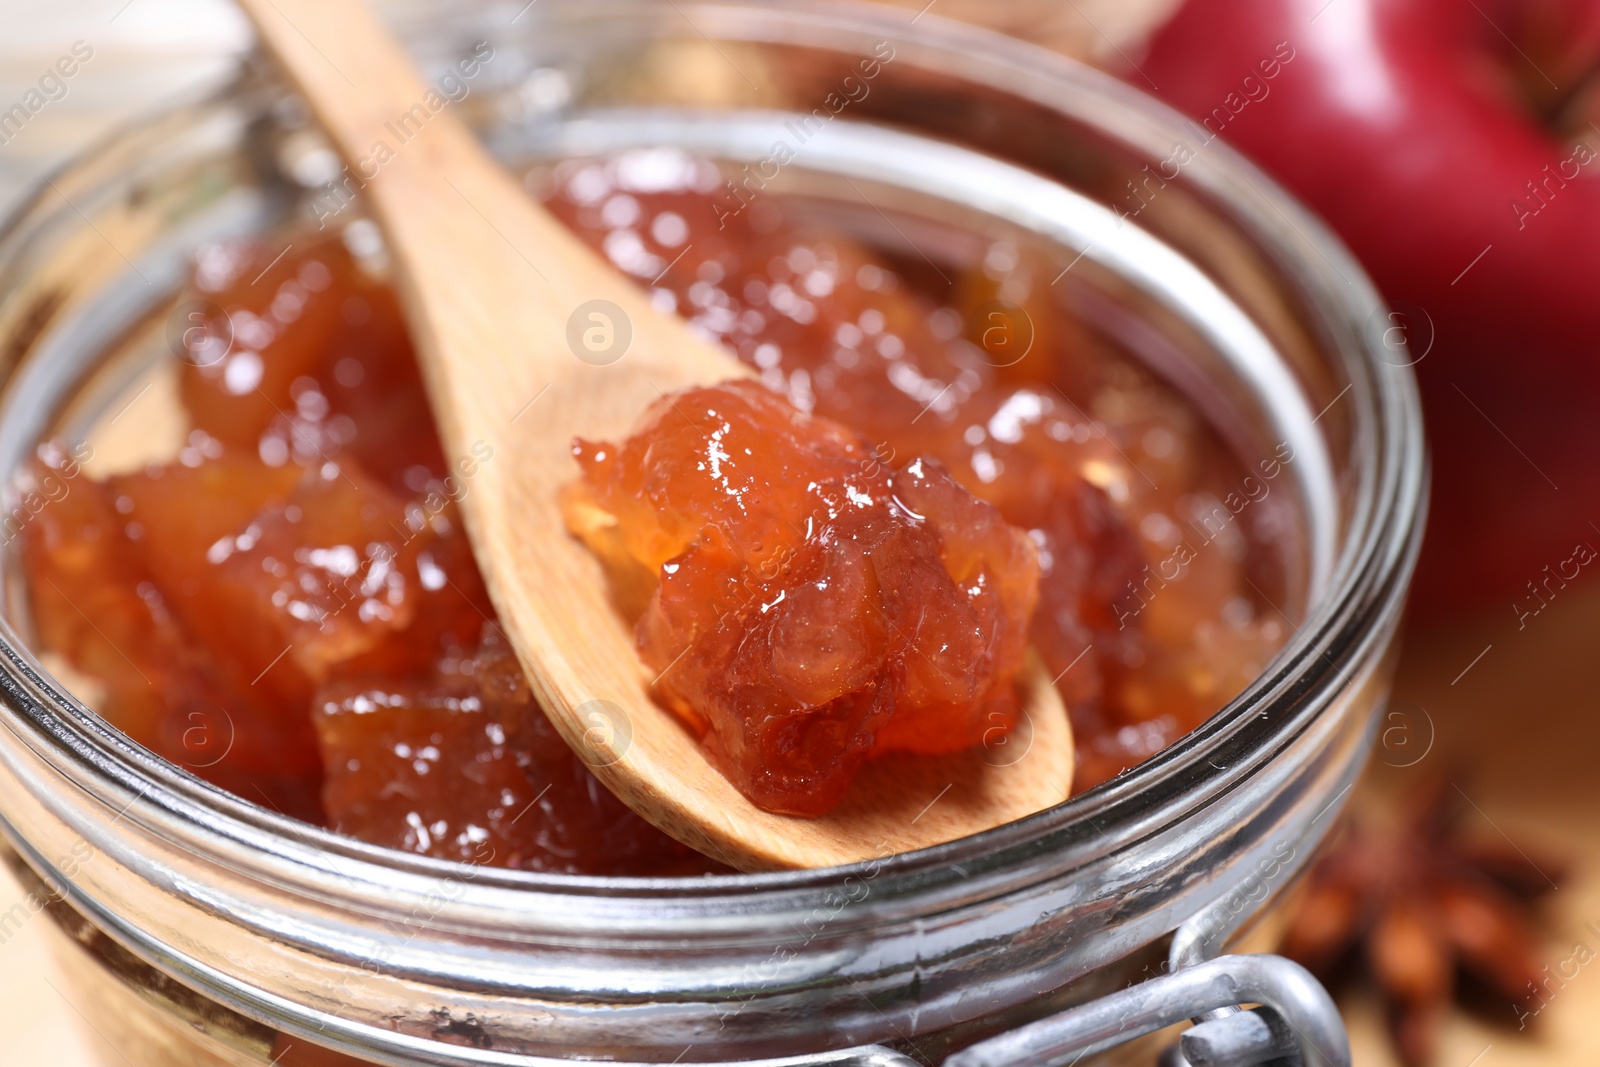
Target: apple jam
x=290, y=609
x=814, y=606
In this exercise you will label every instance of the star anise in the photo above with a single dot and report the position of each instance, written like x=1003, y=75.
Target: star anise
x=1414, y=907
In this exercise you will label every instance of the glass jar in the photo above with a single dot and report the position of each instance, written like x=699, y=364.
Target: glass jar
x=207, y=930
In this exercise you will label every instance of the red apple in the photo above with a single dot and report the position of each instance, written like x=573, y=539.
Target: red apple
x=1453, y=145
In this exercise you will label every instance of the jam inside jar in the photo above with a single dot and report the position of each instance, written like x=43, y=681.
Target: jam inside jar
x=287, y=605
x=1153, y=608
x=284, y=599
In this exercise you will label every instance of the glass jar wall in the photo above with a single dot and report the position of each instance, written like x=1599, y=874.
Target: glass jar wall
x=207, y=924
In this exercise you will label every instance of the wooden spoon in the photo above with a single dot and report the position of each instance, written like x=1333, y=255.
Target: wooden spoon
x=494, y=287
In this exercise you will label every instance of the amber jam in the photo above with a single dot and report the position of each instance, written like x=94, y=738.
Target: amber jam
x=289, y=607
x=814, y=606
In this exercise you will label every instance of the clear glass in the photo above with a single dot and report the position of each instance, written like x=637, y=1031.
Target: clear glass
x=206, y=927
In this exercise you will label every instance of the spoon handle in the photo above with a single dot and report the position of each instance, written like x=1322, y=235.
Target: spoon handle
x=488, y=275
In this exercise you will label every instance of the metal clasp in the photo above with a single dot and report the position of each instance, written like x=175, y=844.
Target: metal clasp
x=1296, y=1020
x=1294, y=1023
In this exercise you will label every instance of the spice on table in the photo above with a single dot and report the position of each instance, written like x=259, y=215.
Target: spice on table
x=1416, y=906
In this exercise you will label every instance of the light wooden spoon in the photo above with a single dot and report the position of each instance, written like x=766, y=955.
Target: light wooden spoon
x=491, y=283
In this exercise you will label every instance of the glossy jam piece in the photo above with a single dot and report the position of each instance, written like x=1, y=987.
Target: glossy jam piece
x=304, y=355
x=815, y=605
x=172, y=538
x=302, y=573
x=464, y=766
x=94, y=602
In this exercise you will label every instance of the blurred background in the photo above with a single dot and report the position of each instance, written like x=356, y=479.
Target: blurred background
x=1453, y=144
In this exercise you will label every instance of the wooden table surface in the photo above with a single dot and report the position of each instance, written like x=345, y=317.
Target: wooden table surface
x=1514, y=719
x=1512, y=715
